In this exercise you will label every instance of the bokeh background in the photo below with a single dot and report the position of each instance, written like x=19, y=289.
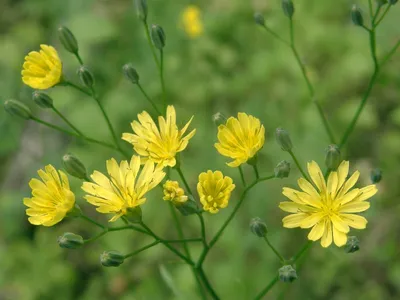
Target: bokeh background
x=234, y=66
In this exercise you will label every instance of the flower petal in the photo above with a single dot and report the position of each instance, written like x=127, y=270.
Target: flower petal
x=311, y=220
x=316, y=175
x=354, y=207
x=354, y=221
x=317, y=231
x=326, y=239
x=294, y=220
x=339, y=237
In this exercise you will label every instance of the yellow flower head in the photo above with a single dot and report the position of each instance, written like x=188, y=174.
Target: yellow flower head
x=174, y=193
x=43, y=69
x=159, y=144
x=327, y=208
x=240, y=139
x=191, y=20
x=124, y=188
x=214, y=190
x=52, y=198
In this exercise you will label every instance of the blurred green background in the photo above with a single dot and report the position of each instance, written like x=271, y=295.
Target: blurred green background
x=234, y=66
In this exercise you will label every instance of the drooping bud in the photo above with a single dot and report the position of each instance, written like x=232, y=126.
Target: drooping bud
x=86, y=77
x=158, y=36
x=188, y=207
x=111, y=258
x=332, y=158
x=130, y=73
x=283, y=139
x=259, y=19
x=356, y=16
x=17, y=108
x=70, y=241
x=141, y=9
x=282, y=170
x=74, y=166
x=134, y=214
x=219, y=119
x=288, y=8
x=352, y=245
x=287, y=274
x=68, y=39
x=376, y=175
x=258, y=227
x=42, y=99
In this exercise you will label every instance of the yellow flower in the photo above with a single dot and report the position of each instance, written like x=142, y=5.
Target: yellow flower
x=159, y=145
x=327, y=208
x=42, y=70
x=214, y=190
x=125, y=188
x=52, y=198
x=174, y=193
x=191, y=20
x=240, y=139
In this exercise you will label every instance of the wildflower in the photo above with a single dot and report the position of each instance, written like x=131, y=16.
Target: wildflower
x=159, y=145
x=240, y=139
x=214, y=190
x=52, y=198
x=124, y=189
x=191, y=20
x=174, y=193
x=329, y=208
x=43, y=69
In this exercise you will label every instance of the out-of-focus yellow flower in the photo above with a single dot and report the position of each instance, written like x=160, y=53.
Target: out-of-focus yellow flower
x=214, y=190
x=125, y=187
x=159, y=145
x=43, y=69
x=240, y=139
x=173, y=192
x=52, y=198
x=191, y=20
x=327, y=208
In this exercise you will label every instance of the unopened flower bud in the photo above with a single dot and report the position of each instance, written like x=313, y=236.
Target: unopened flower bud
x=158, y=36
x=68, y=39
x=188, y=207
x=17, y=108
x=130, y=73
x=352, y=245
x=86, y=77
x=287, y=274
x=258, y=227
x=259, y=19
x=134, y=214
x=392, y=2
x=74, y=166
x=70, y=241
x=283, y=139
x=332, y=158
x=376, y=175
x=282, y=170
x=356, y=16
x=288, y=8
x=141, y=9
x=111, y=258
x=42, y=99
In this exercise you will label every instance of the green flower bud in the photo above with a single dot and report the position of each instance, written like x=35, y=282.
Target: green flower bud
x=130, y=73
x=282, y=170
x=283, y=139
x=356, y=16
x=332, y=158
x=86, y=77
x=42, y=99
x=134, y=214
x=141, y=9
x=68, y=39
x=188, y=207
x=376, y=175
x=74, y=166
x=158, y=36
x=288, y=8
x=259, y=19
x=392, y=2
x=70, y=241
x=287, y=274
x=17, y=108
x=352, y=245
x=258, y=227
x=111, y=258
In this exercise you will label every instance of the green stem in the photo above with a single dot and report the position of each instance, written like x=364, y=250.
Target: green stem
x=78, y=57
x=242, y=176
x=142, y=249
x=388, y=56
x=162, y=79
x=179, y=170
x=146, y=27
x=275, y=35
x=203, y=230
x=207, y=283
x=183, y=240
x=96, y=236
x=298, y=164
x=66, y=121
x=370, y=8
x=77, y=87
x=93, y=221
x=378, y=10
x=281, y=258
x=149, y=99
x=383, y=15
x=179, y=229
x=256, y=171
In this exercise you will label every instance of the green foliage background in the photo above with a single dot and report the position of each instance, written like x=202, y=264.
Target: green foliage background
x=235, y=66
